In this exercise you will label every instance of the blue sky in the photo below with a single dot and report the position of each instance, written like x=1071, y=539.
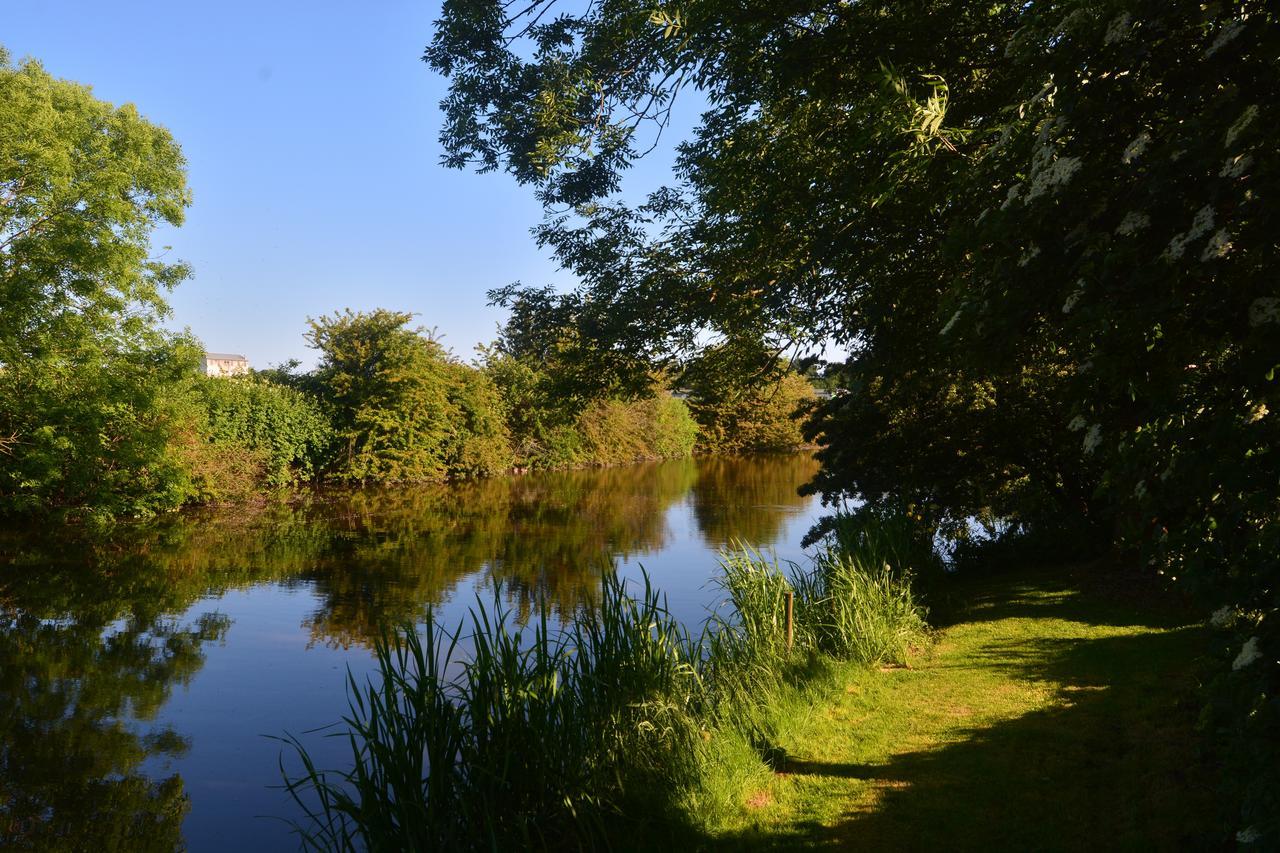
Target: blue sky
x=310, y=134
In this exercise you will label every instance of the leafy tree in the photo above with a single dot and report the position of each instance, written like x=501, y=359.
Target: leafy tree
x=746, y=398
x=87, y=407
x=388, y=385
x=1044, y=231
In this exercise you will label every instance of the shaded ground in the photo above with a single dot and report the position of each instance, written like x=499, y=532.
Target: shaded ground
x=1055, y=713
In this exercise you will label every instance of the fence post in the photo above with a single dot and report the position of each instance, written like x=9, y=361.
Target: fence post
x=791, y=599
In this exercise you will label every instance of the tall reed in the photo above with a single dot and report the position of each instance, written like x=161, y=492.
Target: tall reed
x=539, y=739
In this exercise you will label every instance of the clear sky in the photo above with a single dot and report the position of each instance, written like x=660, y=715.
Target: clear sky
x=310, y=134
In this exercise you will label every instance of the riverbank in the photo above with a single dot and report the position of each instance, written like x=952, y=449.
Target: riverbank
x=1057, y=710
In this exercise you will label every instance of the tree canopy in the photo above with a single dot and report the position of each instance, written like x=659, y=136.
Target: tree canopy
x=1045, y=232
x=87, y=376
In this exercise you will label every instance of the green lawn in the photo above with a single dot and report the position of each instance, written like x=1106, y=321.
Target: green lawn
x=1055, y=712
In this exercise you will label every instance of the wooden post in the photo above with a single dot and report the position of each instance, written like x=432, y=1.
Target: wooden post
x=791, y=599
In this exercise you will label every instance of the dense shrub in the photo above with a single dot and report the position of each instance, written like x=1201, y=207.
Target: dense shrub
x=288, y=428
x=616, y=431
x=478, y=442
x=95, y=436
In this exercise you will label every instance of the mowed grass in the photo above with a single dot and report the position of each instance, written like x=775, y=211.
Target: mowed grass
x=1055, y=712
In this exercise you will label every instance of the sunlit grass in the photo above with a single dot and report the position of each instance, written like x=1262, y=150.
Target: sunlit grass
x=1048, y=717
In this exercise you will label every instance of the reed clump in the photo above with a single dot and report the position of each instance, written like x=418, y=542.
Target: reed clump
x=615, y=729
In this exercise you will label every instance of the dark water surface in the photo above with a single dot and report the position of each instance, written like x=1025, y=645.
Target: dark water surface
x=139, y=673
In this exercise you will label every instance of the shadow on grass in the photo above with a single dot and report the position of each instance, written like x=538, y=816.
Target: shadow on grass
x=1116, y=764
x=1099, y=594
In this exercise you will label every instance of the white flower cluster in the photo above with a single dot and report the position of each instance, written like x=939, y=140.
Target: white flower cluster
x=1225, y=35
x=1136, y=148
x=1200, y=225
x=1073, y=298
x=1236, y=166
x=1092, y=438
x=1219, y=246
x=1118, y=29
x=1132, y=223
x=1014, y=192
x=1264, y=309
x=1223, y=616
x=1249, y=653
x=1246, y=118
x=952, y=322
x=1047, y=172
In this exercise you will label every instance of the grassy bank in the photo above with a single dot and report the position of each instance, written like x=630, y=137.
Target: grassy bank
x=1057, y=711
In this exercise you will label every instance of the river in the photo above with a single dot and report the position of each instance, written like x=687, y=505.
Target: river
x=142, y=674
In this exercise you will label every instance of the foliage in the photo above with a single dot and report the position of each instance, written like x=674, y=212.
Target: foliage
x=287, y=427
x=95, y=433
x=1045, y=233
x=745, y=398
x=388, y=386
x=654, y=427
x=479, y=443
x=87, y=378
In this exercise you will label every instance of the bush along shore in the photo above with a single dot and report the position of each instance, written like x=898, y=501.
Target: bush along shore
x=618, y=725
x=387, y=404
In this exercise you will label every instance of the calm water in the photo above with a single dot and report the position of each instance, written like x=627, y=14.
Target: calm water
x=140, y=674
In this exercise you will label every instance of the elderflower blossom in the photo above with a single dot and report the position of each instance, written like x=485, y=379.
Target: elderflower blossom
x=1222, y=617
x=1077, y=423
x=1136, y=148
x=1246, y=118
x=1218, y=246
x=1264, y=309
x=1258, y=412
x=1056, y=175
x=1225, y=35
x=1014, y=192
x=1118, y=29
x=1200, y=226
x=1236, y=166
x=951, y=323
x=1092, y=438
x=1249, y=653
x=1248, y=835
x=1132, y=223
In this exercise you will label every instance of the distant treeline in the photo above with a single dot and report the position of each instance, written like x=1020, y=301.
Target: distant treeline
x=140, y=432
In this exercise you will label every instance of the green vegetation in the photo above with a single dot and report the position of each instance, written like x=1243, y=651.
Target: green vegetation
x=620, y=723
x=1057, y=711
x=88, y=407
x=1043, y=232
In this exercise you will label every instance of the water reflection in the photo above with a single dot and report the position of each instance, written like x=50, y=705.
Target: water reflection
x=79, y=670
x=95, y=634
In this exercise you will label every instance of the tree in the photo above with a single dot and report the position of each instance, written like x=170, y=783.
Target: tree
x=87, y=407
x=388, y=385
x=1044, y=231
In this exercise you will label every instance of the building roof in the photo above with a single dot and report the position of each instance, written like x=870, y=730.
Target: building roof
x=226, y=356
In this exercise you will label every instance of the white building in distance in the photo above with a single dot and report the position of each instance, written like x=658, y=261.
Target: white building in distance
x=224, y=364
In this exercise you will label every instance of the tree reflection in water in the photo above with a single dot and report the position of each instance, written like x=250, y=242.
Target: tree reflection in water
x=95, y=633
